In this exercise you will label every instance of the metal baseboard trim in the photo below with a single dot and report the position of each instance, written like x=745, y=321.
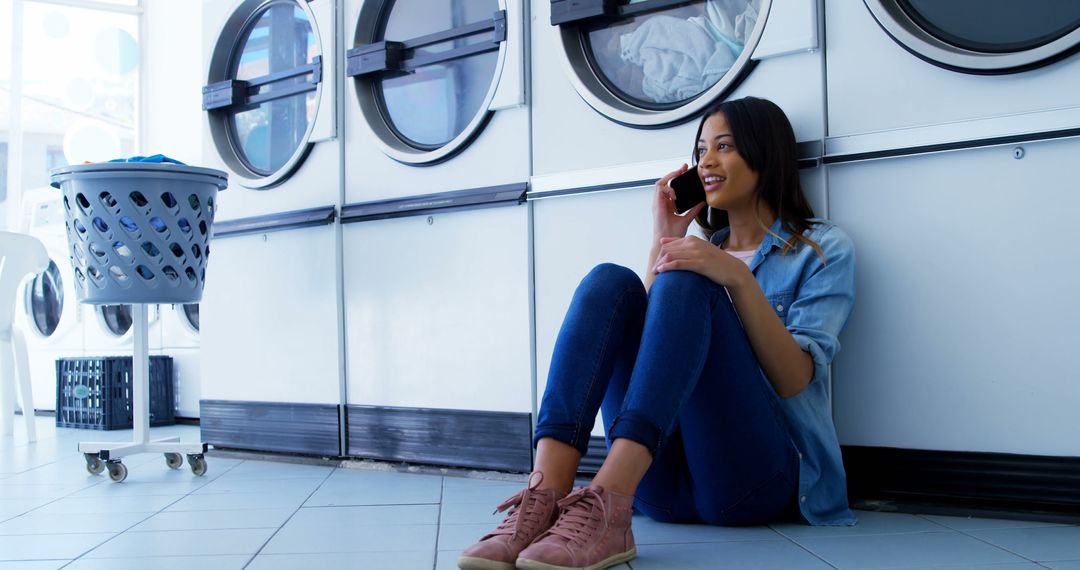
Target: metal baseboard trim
x=276, y=222
x=455, y=438
x=455, y=201
x=310, y=429
x=592, y=461
x=964, y=481
x=953, y=146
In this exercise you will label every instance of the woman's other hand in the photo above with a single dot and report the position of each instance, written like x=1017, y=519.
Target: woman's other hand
x=666, y=223
x=692, y=253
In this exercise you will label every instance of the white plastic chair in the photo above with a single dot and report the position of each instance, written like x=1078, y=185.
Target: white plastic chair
x=20, y=257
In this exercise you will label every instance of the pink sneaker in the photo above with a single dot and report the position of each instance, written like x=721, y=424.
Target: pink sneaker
x=533, y=512
x=592, y=533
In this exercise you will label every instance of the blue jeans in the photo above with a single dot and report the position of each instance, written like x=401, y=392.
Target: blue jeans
x=672, y=369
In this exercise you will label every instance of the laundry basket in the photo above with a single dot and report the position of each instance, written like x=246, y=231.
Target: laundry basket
x=138, y=231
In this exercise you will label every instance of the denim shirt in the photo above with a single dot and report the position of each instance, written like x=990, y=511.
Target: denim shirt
x=814, y=300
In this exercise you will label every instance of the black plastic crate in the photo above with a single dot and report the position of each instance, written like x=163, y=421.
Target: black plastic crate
x=95, y=392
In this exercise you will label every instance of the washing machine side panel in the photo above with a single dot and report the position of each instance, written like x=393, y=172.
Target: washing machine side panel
x=316, y=183
x=874, y=84
x=573, y=235
x=794, y=82
x=43, y=375
x=499, y=155
x=437, y=315
x=268, y=315
x=186, y=382
x=964, y=324
x=175, y=333
x=816, y=190
x=99, y=340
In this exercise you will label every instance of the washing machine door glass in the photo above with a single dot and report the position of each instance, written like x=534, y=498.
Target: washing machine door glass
x=426, y=73
x=654, y=63
x=46, y=300
x=117, y=318
x=191, y=315
x=280, y=41
x=982, y=36
x=263, y=97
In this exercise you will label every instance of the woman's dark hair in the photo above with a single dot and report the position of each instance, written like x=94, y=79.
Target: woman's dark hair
x=765, y=140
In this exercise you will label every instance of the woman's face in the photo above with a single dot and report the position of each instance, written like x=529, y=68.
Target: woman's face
x=728, y=181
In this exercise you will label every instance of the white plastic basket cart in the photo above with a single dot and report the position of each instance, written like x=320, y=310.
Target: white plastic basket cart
x=139, y=233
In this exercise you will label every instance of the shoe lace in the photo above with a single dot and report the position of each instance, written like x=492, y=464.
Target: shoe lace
x=582, y=512
x=526, y=500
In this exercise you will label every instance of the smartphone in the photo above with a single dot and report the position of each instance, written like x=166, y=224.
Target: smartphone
x=688, y=190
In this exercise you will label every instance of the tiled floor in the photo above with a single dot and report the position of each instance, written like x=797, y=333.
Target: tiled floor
x=248, y=513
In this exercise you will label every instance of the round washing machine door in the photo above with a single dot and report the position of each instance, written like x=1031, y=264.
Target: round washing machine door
x=425, y=73
x=982, y=36
x=265, y=85
x=46, y=300
x=656, y=63
x=190, y=316
x=115, y=319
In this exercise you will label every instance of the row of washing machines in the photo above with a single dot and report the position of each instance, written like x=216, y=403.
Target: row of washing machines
x=416, y=187
x=58, y=326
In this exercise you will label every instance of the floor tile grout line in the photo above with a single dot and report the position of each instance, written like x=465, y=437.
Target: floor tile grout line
x=863, y=534
x=998, y=546
x=947, y=529
x=438, y=523
x=370, y=505
x=151, y=515
x=805, y=548
x=1021, y=524
x=286, y=521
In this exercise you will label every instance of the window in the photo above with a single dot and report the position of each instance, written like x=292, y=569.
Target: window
x=72, y=96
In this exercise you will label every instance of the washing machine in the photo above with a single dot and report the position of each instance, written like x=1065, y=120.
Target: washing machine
x=49, y=313
x=180, y=341
x=436, y=232
x=270, y=350
x=620, y=89
x=914, y=73
x=953, y=130
x=109, y=329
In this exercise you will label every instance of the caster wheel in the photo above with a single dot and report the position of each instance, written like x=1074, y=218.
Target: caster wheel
x=94, y=464
x=198, y=464
x=174, y=460
x=117, y=471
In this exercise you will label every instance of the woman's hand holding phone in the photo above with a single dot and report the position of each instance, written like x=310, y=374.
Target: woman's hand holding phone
x=666, y=223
